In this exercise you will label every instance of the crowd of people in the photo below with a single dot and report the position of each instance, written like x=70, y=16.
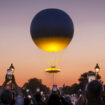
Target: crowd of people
x=13, y=95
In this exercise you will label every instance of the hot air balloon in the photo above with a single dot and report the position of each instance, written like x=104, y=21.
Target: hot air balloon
x=52, y=31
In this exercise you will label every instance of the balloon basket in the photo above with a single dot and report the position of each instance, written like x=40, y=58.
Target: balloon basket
x=52, y=69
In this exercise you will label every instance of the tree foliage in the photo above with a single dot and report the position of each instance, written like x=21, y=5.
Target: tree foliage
x=35, y=83
x=83, y=80
x=66, y=90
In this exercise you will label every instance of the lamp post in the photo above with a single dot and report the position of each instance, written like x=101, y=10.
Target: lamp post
x=12, y=68
x=97, y=69
x=10, y=72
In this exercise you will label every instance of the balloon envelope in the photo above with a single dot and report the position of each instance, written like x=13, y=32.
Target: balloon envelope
x=52, y=30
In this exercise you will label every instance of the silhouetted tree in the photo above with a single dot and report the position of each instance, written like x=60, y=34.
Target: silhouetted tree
x=35, y=83
x=66, y=90
x=74, y=88
x=84, y=79
x=71, y=89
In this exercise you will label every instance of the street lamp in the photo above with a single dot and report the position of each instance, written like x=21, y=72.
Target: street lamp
x=10, y=71
x=97, y=69
x=12, y=68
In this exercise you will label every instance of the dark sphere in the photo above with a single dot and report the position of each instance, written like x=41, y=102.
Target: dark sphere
x=52, y=26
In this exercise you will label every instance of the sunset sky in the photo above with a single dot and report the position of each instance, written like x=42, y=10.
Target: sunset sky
x=85, y=50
